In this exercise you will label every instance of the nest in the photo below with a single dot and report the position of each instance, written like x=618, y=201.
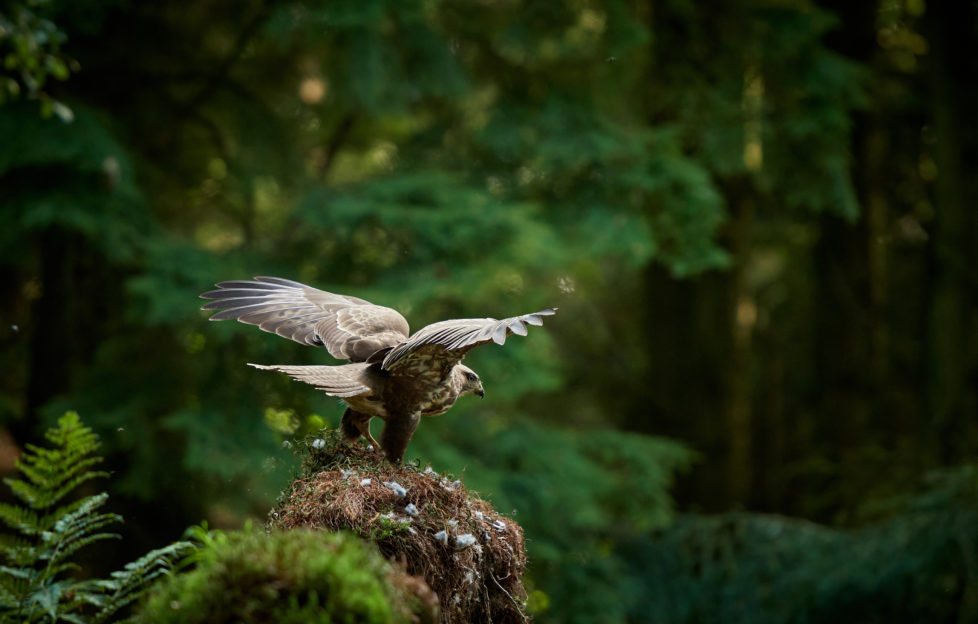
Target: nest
x=471, y=556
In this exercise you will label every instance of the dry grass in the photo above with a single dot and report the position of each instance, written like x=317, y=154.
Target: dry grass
x=472, y=557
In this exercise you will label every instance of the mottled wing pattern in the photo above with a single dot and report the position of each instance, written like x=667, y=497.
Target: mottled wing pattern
x=339, y=381
x=349, y=327
x=356, y=332
x=442, y=345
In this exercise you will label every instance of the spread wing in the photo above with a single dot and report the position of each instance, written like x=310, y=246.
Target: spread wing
x=349, y=328
x=343, y=381
x=444, y=344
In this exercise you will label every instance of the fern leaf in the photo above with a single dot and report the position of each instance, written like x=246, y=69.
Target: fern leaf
x=71, y=548
x=130, y=583
x=47, y=598
x=79, y=517
x=70, y=429
x=68, y=532
x=15, y=583
x=32, y=583
x=23, y=554
x=44, y=487
x=76, y=525
x=27, y=492
x=22, y=573
x=50, y=487
x=65, y=488
x=19, y=519
x=50, y=517
x=8, y=597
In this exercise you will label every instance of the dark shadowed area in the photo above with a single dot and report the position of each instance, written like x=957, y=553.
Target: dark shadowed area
x=758, y=401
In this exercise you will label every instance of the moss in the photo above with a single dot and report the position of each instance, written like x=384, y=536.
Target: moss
x=468, y=553
x=296, y=576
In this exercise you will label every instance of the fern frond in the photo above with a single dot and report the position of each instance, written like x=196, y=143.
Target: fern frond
x=27, y=492
x=19, y=519
x=80, y=516
x=48, y=535
x=8, y=594
x=71, y=548
x=128, y=584
x=74, y=524
x=15, y=584
x=71, y=433
x=52, y=571
x=23, y=553
x=34, y=585
x=47, y=520
x=76, y=530
x=46, y=485
x=20, y=573
x=47, y=599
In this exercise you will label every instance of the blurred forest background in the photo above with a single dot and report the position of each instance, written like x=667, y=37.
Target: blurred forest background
x=758, y=401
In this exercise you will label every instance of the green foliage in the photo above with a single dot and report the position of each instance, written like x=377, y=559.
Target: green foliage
x=30, y=55
x=911, y=564
x=457, y=159
x=47, y=536
x=96, y=196
x=287, y=422
x=450, y=159
x=295, y=576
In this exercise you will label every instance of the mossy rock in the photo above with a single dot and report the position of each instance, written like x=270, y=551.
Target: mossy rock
x=469, y=554
x=290, y=577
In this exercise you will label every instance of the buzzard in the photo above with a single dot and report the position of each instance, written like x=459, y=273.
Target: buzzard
x=393, y=375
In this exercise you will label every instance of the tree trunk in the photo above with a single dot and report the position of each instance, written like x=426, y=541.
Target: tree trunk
x=953, y=353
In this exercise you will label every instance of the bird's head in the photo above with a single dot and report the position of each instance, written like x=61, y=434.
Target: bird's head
x=470, y=382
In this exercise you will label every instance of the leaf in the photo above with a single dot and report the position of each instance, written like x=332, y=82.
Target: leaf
x=48, y=598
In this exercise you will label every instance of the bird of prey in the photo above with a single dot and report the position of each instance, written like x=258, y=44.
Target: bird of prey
x=393, y=375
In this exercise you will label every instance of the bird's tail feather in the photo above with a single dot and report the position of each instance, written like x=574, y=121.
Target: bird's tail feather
x=342, y=381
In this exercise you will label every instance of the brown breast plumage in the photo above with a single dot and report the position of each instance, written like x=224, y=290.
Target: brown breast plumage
x=440, y=400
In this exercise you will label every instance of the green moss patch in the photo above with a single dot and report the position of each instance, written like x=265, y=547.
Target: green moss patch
x=290, y=577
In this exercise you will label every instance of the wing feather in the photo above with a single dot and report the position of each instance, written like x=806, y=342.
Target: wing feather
x=281, y=281
x=343, y=381
x=237, y=292
x=456, y=337
x=285, y=327
x=499, y=336
x=235, y=284
x=349, y=327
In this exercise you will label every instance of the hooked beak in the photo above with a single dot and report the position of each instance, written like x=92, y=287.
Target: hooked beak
x=481, y=393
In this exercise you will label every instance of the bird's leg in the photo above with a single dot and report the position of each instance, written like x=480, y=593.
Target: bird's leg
x=355, y=424
x=397, y=433
x=364, y=426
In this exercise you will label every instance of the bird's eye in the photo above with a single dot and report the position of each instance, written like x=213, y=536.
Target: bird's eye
x=471, y=376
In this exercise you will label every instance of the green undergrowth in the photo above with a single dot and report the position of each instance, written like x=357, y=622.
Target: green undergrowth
x=46, y=531
x=913, y=560
x=296, y=577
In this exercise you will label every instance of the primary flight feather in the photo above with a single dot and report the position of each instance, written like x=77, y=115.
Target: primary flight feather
x=393, y=375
